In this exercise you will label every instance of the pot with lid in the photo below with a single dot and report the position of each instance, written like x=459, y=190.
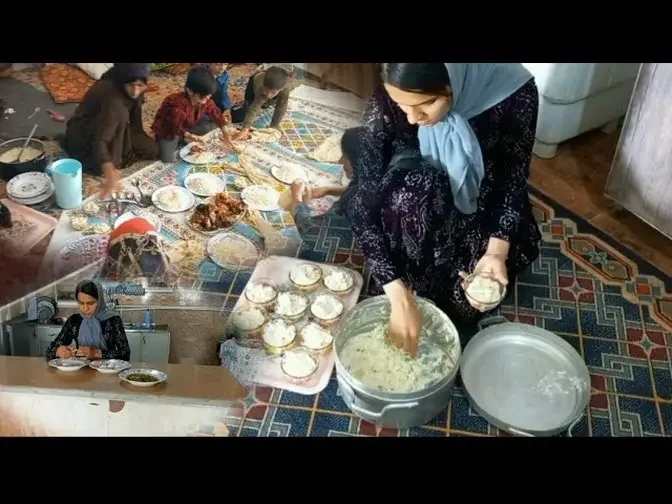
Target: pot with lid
x=389, y=408
x=33, y=159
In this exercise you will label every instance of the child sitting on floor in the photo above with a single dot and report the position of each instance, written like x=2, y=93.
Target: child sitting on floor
x=302, y=195
x=186, y=116
x=264, y=89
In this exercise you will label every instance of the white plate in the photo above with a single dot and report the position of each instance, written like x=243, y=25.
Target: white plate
x=119, y=366
x=161, y=376
x=244, y=254
x=217, y=182
x=36, y=200
x=28, y=185
x=251, y=194
x=188, y=199
x=288, y=174
x=68, y=365
x=198, y=158
x=149, y=217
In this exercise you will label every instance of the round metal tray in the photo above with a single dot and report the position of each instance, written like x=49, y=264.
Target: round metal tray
x=525, y=379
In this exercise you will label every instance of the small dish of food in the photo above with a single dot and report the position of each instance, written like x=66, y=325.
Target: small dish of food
x=339, y=281
x=173, y=199
x=291, y=306
x=68, y=365
x=143, y=377
x=91, y=208
x=262, y=293
x=278, y=336
x=110, y=366
x=79, y=221
x=204, y=184
x=248, y=321
x=261, y=197
x=484, y=290
x=326, y=309
x=298, y=365
x=240, y=183
x=316, y=338
x=306, y=276
x=288, y=173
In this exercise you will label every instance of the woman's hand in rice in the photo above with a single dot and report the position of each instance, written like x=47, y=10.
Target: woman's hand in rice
x=405, y=317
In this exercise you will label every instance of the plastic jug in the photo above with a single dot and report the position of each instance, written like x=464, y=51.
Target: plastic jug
x=67, y=176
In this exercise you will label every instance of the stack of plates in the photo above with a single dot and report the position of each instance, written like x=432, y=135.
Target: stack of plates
x=30, y=188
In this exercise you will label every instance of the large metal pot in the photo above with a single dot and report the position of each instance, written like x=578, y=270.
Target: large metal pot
x=38, y=164
x=388, y=409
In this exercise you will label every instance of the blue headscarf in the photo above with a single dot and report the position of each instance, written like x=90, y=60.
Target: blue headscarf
x=90, y=331
x=451, y=144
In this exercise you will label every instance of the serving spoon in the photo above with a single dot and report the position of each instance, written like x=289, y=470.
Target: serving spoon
x=25, y=144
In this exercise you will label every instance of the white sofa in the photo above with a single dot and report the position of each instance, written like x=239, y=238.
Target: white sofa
x=578, y=97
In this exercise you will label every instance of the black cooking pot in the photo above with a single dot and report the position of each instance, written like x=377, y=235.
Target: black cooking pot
x=38, y=164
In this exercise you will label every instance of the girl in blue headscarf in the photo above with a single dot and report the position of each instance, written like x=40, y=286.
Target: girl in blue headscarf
x=476, y=123
x=96, y=332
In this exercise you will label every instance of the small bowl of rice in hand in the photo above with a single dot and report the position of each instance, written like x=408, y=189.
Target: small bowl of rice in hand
x=483, y=290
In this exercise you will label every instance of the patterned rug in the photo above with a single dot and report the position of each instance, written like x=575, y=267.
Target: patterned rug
x=613, y=308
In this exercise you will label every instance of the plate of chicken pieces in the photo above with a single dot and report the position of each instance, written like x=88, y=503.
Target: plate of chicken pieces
x=217, y=213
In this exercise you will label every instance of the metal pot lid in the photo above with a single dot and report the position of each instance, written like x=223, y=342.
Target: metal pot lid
x=524, y=379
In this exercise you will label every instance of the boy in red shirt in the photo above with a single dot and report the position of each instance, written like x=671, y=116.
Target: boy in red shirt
x=187, y=116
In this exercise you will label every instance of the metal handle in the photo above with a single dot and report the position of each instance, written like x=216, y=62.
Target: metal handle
x=571, y=427
x=347, y=390
x=574, y=424
x=517, y=432
x=490, y=321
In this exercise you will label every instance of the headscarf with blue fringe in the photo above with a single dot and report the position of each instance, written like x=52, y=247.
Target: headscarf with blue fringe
x=451, y=144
